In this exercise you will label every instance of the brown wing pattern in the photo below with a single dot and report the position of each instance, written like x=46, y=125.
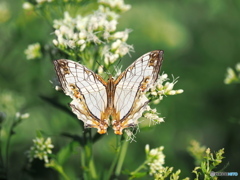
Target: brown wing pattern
x=95, y=100
x=88, y=91
x=129, y=98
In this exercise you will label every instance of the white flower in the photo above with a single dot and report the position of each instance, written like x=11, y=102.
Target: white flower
x=81, y=42
x=116, y=44
x=115, y=4
x=71, y=44
x=27, y=6
x=111, y=25
x=83, y=34
x=33, y=51
x=154, y=93
x=179, y=91
x=40, y=149
x=124, y=49
x=110, y=58
x=58, y=88
x=238, y=67
x=122, y=35
x=55, y=42
x=172, y=92
x=99, y=28
x=161, y=87
x=231, y=76
x=43, y=1
x=22, y=116
x=100, y=69
x=169, y=86
x=147, y=149
x=152, y=116
x=155, y=159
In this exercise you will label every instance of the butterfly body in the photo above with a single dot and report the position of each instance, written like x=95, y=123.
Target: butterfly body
x=122, y=101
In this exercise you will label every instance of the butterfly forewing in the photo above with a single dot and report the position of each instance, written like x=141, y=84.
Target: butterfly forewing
x=87, y=89
x=129, y=99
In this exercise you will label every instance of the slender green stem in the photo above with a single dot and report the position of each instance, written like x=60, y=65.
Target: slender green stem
x=92, y=168
x=64, y=176
x=83, y=163
x=122, y=155
x=1, y=158
x=114, y=162
x=1, y=152
x=8, y=145
x=61, y=171
x=112, y=167
x=87, y=161
x=57, y=167
x=139, y=168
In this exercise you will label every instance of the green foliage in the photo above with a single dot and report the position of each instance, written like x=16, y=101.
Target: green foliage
x=206, y=161
x=65, y=152
x=200, y=39
x=9, y=120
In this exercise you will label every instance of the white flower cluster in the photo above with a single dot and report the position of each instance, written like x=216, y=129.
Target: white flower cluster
x=232, y=76
x=155, y=159
x=40, y=150
x=115, y=4
x=22, y=116
x=152, y=116
x=43, y=1
x=28, y=6
x=83, y=32
x=33, y=51
x=161, y=88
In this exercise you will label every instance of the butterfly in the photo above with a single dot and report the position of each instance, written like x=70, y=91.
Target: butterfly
x=119, y=101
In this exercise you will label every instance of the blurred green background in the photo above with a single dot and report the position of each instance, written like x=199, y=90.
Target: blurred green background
x=200, y=39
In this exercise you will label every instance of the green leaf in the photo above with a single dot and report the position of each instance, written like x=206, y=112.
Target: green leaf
x=138, y=175
x=39, y=133
x=66, y=152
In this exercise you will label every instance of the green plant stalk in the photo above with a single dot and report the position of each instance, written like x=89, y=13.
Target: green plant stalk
x=89, y=170
x=83, y=163
x=60, y=170
x=206, y=173
x=57, y=167
x=92, y=167
x=1, y=159
x=8, y=144
x=112, y=167
x=1, y=155
x=122, y=155
x=114, y=162
x=140, y=167
x=64, y=175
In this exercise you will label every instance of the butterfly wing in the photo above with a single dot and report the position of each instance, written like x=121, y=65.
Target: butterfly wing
x=88, y=91
x=129, y=98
